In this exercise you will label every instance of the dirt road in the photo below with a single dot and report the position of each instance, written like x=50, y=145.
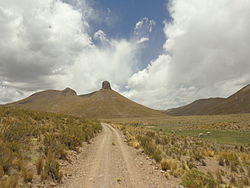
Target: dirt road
x=109, y=162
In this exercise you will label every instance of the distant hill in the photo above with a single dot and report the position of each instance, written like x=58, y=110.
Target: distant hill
x=235, y=104
x=104, y=103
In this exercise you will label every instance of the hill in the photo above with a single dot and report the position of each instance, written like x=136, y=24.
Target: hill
x=234, y=104
x=104, y=103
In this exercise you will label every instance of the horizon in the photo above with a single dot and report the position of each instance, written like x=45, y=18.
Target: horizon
x=162, y=54
x=79, y=94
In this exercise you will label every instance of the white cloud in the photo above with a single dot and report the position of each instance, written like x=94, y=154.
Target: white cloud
x=142, y=40
x=206, y=54
x=46, y=44
x=114, y=63
x=100, y=35
x=144, y=26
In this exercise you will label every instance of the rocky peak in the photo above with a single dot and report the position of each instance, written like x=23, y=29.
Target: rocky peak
x=106, y=85
x=68, y=92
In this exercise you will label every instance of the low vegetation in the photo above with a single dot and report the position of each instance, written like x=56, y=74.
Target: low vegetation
x=33, y=144
x=193, y=159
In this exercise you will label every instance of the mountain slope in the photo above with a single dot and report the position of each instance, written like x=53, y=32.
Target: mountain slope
x=235, y=104
x=105, y=103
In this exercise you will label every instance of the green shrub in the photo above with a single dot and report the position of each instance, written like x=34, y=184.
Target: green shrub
x=197, y=179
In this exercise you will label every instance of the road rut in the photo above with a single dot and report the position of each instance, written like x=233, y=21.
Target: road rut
x=110, y=163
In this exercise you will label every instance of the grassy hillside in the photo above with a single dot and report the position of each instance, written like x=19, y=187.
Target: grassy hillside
x=236, y=104
x=105, y=103
x=32, y=144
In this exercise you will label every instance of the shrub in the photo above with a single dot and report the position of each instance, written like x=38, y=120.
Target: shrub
x=52, y=168
x=147, y=144
x=177, y=172
x=70, y=141
x=233, y=167
x=219, y=177
x=134, y=143
x=209, y=153
x=27, y=176
x=245, y=181
x=150, y=134
x=157, y=155
x=191, y=165
x=221, y=161
x=1, y=171
x=169, y=164
x=44, y=175
x=198, y=156
x=39, y=166
x=203, y=163
x=195, y=179
x=229, y=157
x=18, y=163
x=6, y=158
x=233, y=180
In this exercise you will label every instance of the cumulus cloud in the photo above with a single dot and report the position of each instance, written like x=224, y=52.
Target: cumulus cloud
x=38, y=39
x=100, y=35
x=47, y=44
x=114, y=63
x=206, y=54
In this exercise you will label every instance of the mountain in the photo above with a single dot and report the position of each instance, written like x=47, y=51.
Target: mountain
x=104, y=103
x=235, y=104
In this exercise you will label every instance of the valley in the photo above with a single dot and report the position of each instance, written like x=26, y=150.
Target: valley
x=103, y=139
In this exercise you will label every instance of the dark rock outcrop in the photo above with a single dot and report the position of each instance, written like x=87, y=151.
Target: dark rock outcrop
x=106, y=85
x=68, y=92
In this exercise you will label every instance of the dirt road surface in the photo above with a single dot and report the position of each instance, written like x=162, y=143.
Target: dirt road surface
x=110, y=163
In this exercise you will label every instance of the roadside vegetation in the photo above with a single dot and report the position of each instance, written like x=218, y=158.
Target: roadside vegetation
x=238, y=122
x=198, y=162
x=33, y=145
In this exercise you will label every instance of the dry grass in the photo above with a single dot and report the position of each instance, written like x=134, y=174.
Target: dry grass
x=32, y=143
x=190, y=158
x=218, y=122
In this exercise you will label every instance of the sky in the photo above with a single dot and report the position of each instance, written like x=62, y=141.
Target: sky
x=162, y=54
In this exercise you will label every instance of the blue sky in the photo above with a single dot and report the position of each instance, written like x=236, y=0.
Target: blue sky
x=126, y=13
